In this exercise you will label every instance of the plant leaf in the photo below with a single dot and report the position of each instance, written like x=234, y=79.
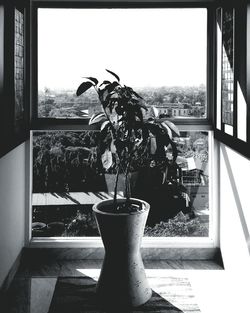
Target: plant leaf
x=172, y=126
x=107, y=159
x=93, y=79
x=104, y=125
x=145, y=133
x=153, y=128
x=153, y=145
x=136, y=94
x=106, y=92
x=174, y=149
x=143, y=106
x=168, y=129
x=105, y=82
x=138, y=113
x=112, y=86
x=97, y=117
x=155, y=111
x=115, y=75
x=83, y=87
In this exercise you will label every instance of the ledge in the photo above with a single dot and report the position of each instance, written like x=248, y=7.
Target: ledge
x=170, y=253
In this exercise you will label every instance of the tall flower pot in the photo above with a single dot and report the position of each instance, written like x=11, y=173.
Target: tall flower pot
x=122, y=281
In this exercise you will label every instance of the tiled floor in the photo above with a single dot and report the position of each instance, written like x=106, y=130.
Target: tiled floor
x=178, y=282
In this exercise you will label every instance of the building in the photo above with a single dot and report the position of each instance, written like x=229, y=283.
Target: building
x=171, y=110
x=180, y=112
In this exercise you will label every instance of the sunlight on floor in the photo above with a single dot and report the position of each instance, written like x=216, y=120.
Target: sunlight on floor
x=212, y=291
x=173, y=287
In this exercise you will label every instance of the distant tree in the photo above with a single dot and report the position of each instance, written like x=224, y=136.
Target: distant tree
x=158, y=97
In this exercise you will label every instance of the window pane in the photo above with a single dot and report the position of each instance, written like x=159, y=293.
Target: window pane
x=184, y=211
x=228, y=66
x=161, y=53
x=19, y=65
x=68, y=180
x=241, y=114
x=218, y=61
x=229, y=130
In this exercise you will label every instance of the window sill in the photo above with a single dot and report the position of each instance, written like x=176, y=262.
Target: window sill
x=154, y=249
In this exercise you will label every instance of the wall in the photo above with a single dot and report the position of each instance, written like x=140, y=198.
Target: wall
x=12, y=208
x=235, y=208
x=235, y=169
x=235, y=224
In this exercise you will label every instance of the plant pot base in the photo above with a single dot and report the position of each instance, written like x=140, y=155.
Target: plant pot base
x=124, y=286
x=122, y=282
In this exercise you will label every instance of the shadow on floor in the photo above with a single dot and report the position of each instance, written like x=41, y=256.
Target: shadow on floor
x=69, y=295
x=78, y=295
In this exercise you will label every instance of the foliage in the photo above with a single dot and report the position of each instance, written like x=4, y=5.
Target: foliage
x=66, y=104
x=180, y=226
x=81, y=225
x=125, y=135
x=176, y=94
x=64, y=161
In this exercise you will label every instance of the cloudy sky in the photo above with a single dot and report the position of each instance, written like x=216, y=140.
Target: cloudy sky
x=146, y=47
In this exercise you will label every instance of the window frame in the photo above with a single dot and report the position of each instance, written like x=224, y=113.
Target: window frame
x=242, y=16
x=212, y=241
x=16, y=128
x=54, y=123
x=188, y=124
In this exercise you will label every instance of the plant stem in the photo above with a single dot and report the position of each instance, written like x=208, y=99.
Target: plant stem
x=115, y=190
x=127, y=180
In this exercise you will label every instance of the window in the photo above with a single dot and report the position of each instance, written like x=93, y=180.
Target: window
x=165, y=63
x=232, y=116
x=68, y=180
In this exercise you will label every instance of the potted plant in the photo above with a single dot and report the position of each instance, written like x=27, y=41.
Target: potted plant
x=125, y=140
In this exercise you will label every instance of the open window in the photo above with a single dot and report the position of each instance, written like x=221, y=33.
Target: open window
x=232, y=113
x=163, y=60
x=166, y=62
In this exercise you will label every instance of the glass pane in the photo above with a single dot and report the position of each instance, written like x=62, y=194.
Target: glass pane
x=241, y=114
x=227, y=66
x=229, y=130
x=218, y=60
x=68, y=180
x=162, y=60
x=183, y=211
x=19, y=66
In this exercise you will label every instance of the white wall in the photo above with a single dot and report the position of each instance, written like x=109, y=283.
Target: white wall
x=235, y=207
x=12, y=208
x=235, y=224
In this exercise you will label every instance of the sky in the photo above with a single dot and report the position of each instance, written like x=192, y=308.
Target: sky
x=145, y=47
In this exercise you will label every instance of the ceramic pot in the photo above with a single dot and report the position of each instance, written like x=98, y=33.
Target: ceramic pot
x=122, y=281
